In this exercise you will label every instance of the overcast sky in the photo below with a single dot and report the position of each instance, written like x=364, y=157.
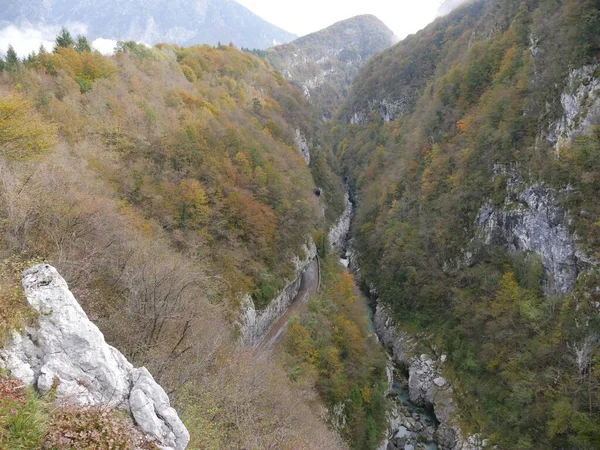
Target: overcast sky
x=302, y=17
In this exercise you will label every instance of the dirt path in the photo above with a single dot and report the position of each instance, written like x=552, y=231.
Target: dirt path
x=308, y=288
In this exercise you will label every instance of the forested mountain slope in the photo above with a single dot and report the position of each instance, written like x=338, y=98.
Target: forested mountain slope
x=183, y=22
x=165, y=184
x=324, y=64
x=472, y=148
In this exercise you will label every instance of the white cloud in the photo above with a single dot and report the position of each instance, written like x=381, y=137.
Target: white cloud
x=105, y=46
x=26, y=39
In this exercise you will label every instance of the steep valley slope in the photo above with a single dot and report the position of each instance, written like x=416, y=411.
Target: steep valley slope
x=175, y=189
x=164, y=184
x=472, y=148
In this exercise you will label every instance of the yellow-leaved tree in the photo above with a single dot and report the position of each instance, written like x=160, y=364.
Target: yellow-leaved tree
x=23, y=131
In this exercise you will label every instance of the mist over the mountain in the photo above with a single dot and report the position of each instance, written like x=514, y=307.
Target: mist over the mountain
x=448, y=6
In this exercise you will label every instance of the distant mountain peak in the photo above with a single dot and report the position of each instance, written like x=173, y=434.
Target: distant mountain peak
x=184, y=22
x=323, y=64
x=355, y=31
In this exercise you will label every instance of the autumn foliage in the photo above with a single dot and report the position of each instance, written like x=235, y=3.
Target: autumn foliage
x=164, y=184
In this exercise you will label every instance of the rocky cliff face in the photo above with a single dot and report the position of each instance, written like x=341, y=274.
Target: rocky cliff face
x=302, y=145
x=325, y=63
x=580, y=103
x=67, y=352
x=531, y=220
x=421, y=205
x=338, y=233
x=389, y=108
x=185, y=22
x=256, y=324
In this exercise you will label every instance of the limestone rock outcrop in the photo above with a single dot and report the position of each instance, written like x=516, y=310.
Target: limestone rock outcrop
x=150, y=407
x=302, y=145
x=338, y=233
x=65, y=351
x=389, y=108
x=531, y=220
x=255, y=324
x=580, y=103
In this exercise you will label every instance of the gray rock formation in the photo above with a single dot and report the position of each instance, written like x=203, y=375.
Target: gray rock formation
x=302, y=145
x=66, y=351
x=150, y=407
x=339, y=232
x=580, y=103
x=389, y=108
x=358, y=118
x=531, y=220
x=256, y=324
x=406, y=426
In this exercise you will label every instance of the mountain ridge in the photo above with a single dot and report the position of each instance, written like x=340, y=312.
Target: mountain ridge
x=324, y=64
x=184, y=22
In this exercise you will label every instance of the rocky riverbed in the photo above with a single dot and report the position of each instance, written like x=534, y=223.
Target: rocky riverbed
x=411, y=427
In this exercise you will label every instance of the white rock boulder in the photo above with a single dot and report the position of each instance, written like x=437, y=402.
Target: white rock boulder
x=66, y=351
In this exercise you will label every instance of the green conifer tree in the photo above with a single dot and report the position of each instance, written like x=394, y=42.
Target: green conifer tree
x=82, y=45
x=64, y=39
x=12, y=59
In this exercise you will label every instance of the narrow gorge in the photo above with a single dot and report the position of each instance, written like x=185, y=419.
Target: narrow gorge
x=423, y=413
x=342, y=242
